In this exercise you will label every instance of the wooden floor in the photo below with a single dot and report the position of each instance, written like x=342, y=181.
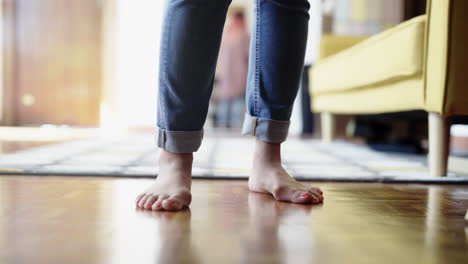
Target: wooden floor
x=50, y=219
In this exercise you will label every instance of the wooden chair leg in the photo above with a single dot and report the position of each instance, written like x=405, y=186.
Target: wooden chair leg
x=328, y=126
x=438, y=144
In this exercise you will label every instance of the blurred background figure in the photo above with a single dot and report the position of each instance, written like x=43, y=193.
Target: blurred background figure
x=232, y=72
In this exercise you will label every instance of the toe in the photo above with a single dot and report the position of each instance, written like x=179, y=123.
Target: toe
x=176, y=202
x=315, y=189
x=138, y=198
x=303, y=197
x=142, y=201
x=150, y=201
x=295, y=195
x=157, y=206
x=172, y=205
x=316, y=194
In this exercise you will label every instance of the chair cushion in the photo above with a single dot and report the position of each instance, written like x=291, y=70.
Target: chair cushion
x=394, y=54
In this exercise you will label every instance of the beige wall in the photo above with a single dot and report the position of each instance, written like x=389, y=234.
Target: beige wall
x=1, y=63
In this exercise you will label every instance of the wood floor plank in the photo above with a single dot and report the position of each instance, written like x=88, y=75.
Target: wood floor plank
x=94, y=220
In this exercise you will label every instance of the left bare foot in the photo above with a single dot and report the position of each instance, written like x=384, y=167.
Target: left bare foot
x=171, y=190
x=268, y=176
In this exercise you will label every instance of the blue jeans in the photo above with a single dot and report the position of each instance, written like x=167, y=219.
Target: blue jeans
x=190, y=43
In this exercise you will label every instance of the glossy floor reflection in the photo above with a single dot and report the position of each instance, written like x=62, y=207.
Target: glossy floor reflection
x=94, y=220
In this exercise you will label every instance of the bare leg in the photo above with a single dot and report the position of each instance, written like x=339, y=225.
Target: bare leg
x=190, y=43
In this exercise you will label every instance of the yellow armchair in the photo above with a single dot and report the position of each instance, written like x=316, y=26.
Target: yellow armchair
x=420, y=64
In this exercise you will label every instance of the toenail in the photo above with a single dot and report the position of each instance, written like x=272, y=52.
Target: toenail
x=305, y=194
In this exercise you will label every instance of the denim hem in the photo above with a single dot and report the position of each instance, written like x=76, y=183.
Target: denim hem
x=179, y=141
x=273, y=131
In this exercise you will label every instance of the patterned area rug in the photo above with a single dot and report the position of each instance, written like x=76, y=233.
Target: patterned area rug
x=223, y=158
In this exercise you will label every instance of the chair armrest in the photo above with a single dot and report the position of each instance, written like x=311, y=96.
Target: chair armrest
x=332, y=44
x=446, y=57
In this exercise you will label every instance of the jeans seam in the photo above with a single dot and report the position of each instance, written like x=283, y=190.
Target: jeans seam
x=257, y=57
x=166, y=32
x=163, y=135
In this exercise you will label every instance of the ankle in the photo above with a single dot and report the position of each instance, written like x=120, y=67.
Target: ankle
x=176, y=159
x=266, y=154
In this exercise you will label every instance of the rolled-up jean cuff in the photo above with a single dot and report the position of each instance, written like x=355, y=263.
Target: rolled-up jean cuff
x=179, y=141
x=273, y=131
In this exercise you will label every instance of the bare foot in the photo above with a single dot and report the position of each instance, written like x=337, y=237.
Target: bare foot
x=171, y=190
x=268, y=176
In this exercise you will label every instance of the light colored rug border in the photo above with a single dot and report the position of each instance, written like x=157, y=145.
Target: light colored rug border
x=381, y=179
x=200, y=173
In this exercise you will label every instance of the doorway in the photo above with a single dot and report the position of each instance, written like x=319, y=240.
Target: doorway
x=53, y=62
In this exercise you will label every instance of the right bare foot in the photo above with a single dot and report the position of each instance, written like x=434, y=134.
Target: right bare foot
x=268, y=176
x=171, y=190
